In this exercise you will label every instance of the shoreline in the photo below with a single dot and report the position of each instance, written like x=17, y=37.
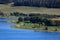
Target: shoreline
x=36, y=30
x=42, y=28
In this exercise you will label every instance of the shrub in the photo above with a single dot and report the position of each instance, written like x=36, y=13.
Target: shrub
x=20, y=19
x=46, y=28
x=1, y=13
x=55, y=30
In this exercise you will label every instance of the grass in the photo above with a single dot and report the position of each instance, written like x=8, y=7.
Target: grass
x=31, y=26
x=25, y=9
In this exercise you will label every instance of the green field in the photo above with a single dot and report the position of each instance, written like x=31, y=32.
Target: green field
x=7, y=9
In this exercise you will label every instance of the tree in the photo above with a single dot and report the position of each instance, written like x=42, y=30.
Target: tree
x=26, y=19
x=15, y=14
x=46, y=28
x=20, y=19
x=1, y=13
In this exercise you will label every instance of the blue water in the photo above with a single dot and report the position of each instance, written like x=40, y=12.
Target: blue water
x=8, y=33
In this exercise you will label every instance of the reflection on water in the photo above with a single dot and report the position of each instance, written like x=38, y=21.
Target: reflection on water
x=7, y=33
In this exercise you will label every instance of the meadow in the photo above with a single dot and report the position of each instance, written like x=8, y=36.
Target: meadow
x=6, y=8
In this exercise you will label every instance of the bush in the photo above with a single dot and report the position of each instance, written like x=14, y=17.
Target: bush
x=1, y=13
x=46, y=28
x=15, y=14
x=55, y=30
x=20, y=19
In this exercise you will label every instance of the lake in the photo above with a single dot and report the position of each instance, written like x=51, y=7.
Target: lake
x=8, y=33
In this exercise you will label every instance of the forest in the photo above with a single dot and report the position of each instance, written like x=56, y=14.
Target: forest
x=38, y=3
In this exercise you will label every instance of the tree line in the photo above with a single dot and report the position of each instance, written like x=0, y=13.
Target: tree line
x=41, y=19
x=38, y=3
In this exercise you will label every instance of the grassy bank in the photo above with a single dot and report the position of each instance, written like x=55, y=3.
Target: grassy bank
x=36, y=27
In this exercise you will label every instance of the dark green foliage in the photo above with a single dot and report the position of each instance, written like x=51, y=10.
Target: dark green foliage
x=16, y=13
x=41, y=19
x=55, y=30
x=38, y=3
x=1, y=13
x=47, y=22
x=22, y=14
x=34, y=15
x=27, y=20
x=46, y=28
x=11, y=14
x=35, y=20
x=20, y=20
x=5, y=1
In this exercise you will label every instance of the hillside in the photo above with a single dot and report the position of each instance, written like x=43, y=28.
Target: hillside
x=26, y=9
x=38, y=3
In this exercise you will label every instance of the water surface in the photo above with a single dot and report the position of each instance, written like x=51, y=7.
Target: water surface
x=8, y=33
